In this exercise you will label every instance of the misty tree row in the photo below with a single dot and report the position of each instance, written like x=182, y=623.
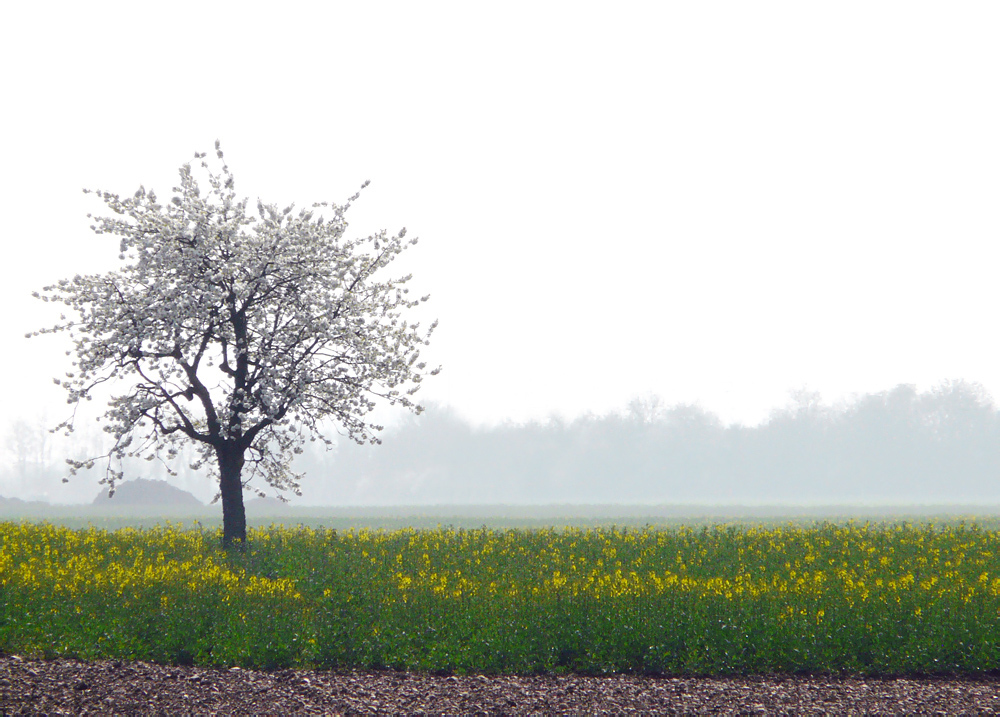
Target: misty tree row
x=899, y=446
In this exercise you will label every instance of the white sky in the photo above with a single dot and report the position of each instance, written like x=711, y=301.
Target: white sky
x=715, y=202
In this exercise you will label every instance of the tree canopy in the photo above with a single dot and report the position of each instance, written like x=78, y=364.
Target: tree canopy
x=242, y=332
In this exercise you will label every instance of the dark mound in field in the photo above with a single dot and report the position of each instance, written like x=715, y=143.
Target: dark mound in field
x=148, y=493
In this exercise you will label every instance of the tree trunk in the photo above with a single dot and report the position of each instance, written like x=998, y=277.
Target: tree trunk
x=234, y=517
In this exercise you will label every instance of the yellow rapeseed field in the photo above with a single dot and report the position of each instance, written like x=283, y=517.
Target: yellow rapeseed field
x=868, y=598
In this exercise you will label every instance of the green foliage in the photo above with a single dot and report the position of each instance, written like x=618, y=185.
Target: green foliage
x=722, y=600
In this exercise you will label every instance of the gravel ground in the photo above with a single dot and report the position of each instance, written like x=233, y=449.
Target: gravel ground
x=110, y=687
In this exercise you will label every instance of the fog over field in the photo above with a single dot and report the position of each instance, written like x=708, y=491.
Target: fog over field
x=898, y=447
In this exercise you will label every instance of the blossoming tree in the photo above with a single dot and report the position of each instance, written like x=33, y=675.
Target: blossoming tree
x=242, y=334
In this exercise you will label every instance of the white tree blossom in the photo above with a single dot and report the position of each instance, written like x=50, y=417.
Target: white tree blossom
x=241, y=332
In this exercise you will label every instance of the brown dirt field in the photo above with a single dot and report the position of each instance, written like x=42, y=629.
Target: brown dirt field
x=111, y=687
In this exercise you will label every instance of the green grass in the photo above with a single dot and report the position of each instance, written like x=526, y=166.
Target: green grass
x=724, y=599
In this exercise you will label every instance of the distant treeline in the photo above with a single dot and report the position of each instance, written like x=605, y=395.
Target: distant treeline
x=897, y=447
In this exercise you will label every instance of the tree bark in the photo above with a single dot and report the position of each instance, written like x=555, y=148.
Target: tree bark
x=234, y=517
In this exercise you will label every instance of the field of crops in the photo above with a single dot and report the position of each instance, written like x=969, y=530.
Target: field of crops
x=718, y=600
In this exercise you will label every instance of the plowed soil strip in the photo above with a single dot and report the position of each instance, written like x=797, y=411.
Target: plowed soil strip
x=110, y=687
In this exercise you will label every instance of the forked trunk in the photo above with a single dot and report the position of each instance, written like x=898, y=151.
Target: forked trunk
x=234, y=517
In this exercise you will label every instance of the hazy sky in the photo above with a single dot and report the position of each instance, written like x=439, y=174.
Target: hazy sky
x=715, y=202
